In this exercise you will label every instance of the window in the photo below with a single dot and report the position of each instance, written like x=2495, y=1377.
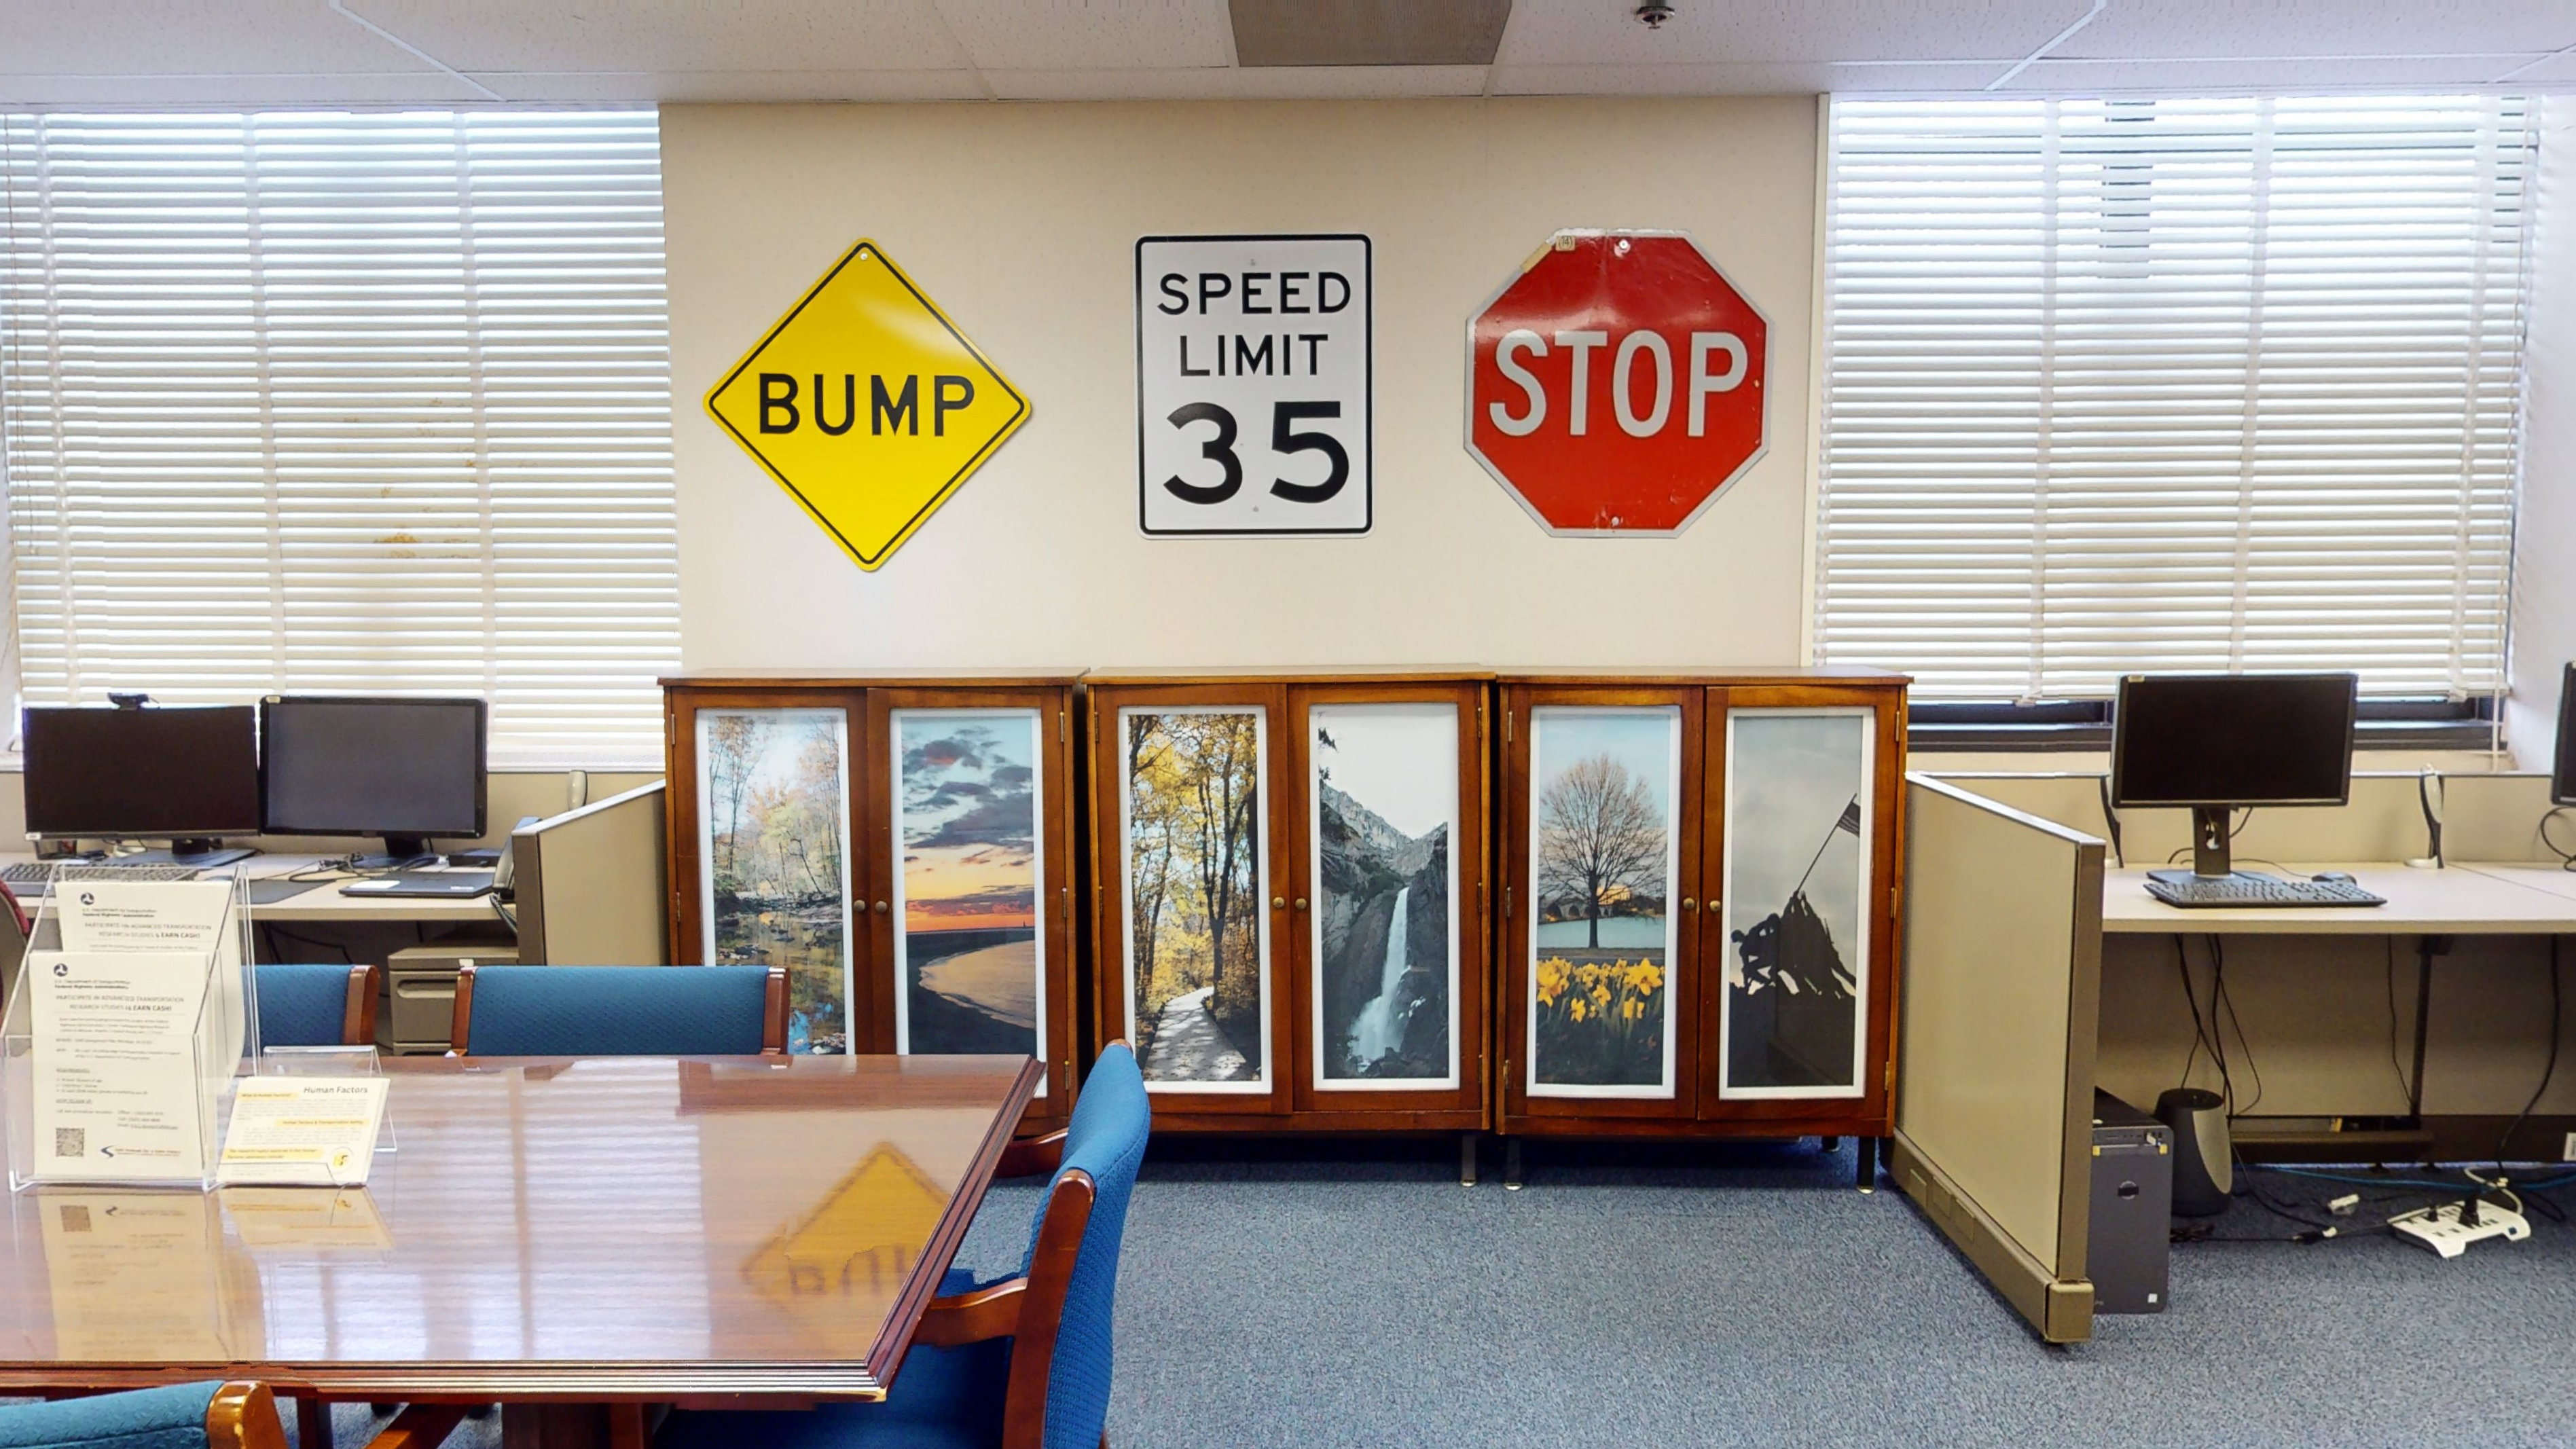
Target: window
x=343, y=403
x=2159, y=384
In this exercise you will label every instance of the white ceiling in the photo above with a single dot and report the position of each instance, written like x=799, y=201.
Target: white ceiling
x=284, y=52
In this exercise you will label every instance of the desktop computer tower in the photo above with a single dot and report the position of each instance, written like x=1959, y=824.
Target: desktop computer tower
x=2131, y=1233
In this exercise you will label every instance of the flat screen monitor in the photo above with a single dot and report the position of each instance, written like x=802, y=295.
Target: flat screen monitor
x=2562, y=771
x=409, y=770
x=2211, y=742
x=142, y=774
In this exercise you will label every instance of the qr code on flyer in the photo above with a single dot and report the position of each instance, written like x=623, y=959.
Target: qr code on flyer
x=71, y=1142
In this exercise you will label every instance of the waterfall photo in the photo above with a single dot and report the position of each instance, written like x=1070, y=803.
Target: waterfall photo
x=1797, y=945
x=775, y=835
x=1197, y=933
x=1603, y=866
x=1385, y=792
x=967, y=967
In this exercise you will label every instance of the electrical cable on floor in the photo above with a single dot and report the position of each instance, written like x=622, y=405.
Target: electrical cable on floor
x=2557, y=1026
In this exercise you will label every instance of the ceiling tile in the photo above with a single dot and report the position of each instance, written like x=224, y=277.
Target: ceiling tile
x=1091, y=34
x=1314, y=82
x=2219, y=29
x=1704, y=32
x=672, y=35
x=2347, y=74
x=643, y=87
x=369, y=88
x=1367, y=32
x=188, y=37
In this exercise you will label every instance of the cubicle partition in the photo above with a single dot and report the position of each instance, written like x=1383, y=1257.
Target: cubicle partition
x=1996, y=1029
x=591, y=885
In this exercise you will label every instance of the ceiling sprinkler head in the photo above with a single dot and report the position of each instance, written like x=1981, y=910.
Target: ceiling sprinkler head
x=1653, y=13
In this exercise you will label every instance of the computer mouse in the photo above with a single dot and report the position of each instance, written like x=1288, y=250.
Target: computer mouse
x=2333, y=875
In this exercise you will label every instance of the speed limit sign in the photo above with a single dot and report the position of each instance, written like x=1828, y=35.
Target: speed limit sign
x=1252, y=384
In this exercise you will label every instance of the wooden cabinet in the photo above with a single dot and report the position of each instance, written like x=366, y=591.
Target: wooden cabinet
x=1698, y=902
x=1290, y=896
x=901, y=844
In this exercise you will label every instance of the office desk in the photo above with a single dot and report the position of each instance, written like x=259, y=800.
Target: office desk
x=2455, y=901
x=607, y=1232
x=323, y=902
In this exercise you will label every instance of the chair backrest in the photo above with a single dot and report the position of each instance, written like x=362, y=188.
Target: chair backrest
x=610, y=1011
x=1103, y=1146
x=14, y=928
x=315, y=1004
x=205, y=1415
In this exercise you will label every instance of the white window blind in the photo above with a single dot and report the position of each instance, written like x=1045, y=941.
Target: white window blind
x=341, y=403
x=2161, y=384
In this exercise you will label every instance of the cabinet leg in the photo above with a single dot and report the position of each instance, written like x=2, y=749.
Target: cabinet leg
x=1866, y=1149
x=1829, y=1144
x=1511, y=1164
x=1466, y=1159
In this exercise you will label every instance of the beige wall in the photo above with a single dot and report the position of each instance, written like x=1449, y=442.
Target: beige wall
x=1021, y=222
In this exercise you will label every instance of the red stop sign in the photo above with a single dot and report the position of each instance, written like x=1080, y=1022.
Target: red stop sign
x=1615, y=386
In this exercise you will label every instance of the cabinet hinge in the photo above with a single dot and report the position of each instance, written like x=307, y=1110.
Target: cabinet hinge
x=1063, y=728
x=1507, y=903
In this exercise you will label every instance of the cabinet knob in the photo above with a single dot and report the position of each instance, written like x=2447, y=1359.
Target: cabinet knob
x=881, y=908
x=1301, y=903
x=1688, y=904
x=1278, y=903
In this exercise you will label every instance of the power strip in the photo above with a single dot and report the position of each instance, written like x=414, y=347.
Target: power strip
x=2440, y=1228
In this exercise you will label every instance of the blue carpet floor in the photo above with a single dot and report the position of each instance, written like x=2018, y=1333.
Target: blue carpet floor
x=1748, y=1296
x=1322, y=1295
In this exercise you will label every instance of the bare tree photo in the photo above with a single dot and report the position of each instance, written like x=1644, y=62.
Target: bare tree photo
x=1601, y=839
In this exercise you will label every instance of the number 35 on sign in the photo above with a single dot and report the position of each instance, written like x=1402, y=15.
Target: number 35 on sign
x=1253, y=384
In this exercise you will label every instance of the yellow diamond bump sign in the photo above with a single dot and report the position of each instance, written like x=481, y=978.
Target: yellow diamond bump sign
x=867, y=405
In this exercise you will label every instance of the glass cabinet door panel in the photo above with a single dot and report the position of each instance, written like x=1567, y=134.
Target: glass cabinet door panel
x=1796, y=952
x=1195, y=830
x=969, y=973
x=774, y=843
x=1605, y=868
x=1384, y=793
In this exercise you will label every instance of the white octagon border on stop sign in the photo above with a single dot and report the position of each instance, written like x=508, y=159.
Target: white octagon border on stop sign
x=1467, y=429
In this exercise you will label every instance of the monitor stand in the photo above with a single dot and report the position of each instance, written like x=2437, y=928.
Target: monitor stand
x=402, y=852
x=203, y=854
x=2210, y=857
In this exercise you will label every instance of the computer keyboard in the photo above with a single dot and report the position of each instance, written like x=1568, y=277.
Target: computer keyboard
x=2247, y=888
x=37, y=872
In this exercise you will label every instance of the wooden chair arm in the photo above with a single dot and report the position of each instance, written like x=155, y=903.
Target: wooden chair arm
x=358, y=1008
x=1029, y=1156
x=460, y=1023
x=973, y=1317
x=419, y=1426
x=773, y=1014
x=243, y=1415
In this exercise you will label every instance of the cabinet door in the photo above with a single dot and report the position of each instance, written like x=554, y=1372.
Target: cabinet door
x=971, y=833
x=1387, y=988
x=1800, y=934
x=763, y=850
x=1603, y=855
x=1193, y=897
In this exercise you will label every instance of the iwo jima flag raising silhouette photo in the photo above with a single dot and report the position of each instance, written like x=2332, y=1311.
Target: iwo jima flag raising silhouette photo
x=1790, y=995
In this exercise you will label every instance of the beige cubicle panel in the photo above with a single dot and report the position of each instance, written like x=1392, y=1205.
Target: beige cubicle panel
x=590, y=884
x=1994, y=1104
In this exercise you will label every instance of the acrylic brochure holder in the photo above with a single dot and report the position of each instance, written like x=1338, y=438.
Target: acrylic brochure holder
x=132, y=1017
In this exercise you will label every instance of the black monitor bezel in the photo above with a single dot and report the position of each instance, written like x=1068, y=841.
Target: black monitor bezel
x=2562, y=765
x=2120, y=726
x=482, y=763
x=259, y=799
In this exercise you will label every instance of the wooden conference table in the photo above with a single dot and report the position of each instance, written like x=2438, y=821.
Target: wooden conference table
x=572, y=1239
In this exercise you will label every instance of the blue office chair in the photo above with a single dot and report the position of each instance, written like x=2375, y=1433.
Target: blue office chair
x=1019, y=1364
x=619, y=1011
x=306, y=1004
x=183, y=1416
